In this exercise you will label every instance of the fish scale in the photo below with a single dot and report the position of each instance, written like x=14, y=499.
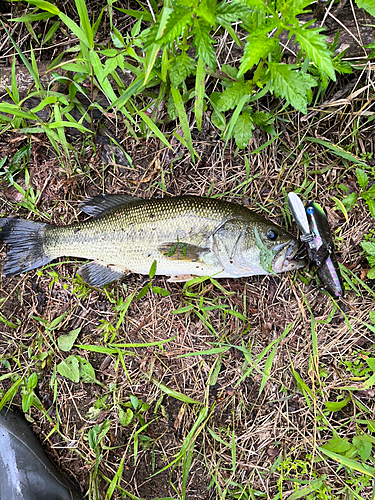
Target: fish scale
x=186, y=236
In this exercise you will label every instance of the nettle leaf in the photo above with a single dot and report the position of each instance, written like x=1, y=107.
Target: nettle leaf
x=315, y=47
x=362, y=178
x=257, y=4
x=350, y=201
x=171, y=108
x=180, y=69
x=293, y=86
x=231, y=97
x=368, y=5
x=203, y=42
x=205, y=10
x=230, y=12
x=178, y=20
x=261, y=118
x=257, y=47
x=243, y=130
x=290, y=9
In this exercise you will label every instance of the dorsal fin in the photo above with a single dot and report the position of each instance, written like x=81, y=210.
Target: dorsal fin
x=102, y=203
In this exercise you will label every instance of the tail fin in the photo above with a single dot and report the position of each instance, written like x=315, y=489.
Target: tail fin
x=25, y=240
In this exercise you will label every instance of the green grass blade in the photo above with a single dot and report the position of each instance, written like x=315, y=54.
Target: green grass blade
x=269, y=361
x=74, y=28
x=20, y=53
x=348, y=462
x=233, y=120
x=199, y=93
x=152, y=54
x=174, y=394
x=338, y=151
x=85, y=23
x=151, y=125
x=184, y=122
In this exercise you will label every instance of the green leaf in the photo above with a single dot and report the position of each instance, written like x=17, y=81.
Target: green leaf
x=160, y=291
x=337, y=405
x=86, y=371
x=352, y=464
x=125, y=417
x=31, y=18
x=337, y=150
x=230, y=98
x=69, y=368
x=27, y=401
x=314, y=485
x=364, y=447
x=180, y=69
x=257, y=4
x=154, y=128
x=350, y=201
x=205, y=10
x=178, y=20
x=368, y=247
x=362, y=178
x=134, y=401
x=32, y=381
x=337, y=445
x=84, y=19
x=174, y=394
x=41, y=4
x=293, y=86
x=65, y=342
x=371, y=274
x=368, y=5
x=230, y=12
x=74, y=28
x=315, y=47
x=143, y=291
x=203, y=42
x=243, y=130
x=372, y=317
x=199, y=93
x=184, y=122
x=257, y=47
x=152, y=269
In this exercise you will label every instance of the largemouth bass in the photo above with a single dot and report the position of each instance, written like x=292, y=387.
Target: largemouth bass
x=187, y=236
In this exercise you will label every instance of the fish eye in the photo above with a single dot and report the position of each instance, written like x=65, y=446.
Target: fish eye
x=272, y=234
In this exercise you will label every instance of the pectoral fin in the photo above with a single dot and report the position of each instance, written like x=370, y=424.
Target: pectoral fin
x=182, y=251
x=98, y=275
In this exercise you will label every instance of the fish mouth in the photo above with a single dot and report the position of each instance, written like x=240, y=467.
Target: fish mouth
x=287, y=258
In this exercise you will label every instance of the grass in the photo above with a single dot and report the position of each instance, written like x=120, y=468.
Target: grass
x=230, y=389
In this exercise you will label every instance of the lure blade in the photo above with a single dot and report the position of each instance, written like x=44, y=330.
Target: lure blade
x=298, y=212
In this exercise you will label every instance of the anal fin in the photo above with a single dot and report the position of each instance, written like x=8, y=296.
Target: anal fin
x=96, y=274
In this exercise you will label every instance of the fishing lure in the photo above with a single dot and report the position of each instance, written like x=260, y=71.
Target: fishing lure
x=316, y=234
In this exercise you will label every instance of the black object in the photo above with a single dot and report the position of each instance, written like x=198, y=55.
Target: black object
x=323, y=257
x=26, y=473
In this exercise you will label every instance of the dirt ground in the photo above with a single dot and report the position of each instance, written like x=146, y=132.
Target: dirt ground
x=246, y=433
